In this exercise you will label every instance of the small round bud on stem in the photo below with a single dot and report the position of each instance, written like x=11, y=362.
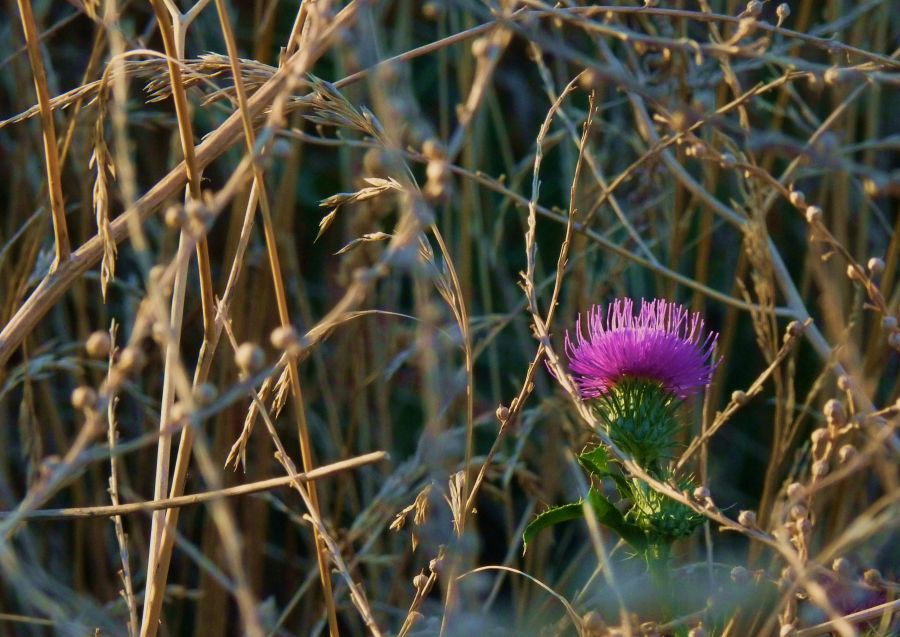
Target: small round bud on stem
x=754, y=8
x=872, y=577
x=84, y=398
x=854, y=274
x=820, y=436
x=502, y=413
x=593, y=623
x=701, y=494
x=798, y=198
x=174, y=217
x=98, y=344
x=835, y=413
x=889, y=323
x=130, y=359
x=286, y=339
x=727, y=160
x=820, y=468
x=894, y=341
x=875, y=265
x=798, y=512
x=739, y=397
x=846, y=453
x=783, y=11
x=842, y=567
x=747, y=519
x=481, y=47
x=420, y=580
x=740, y=575
x=795, y=491
x=795, y=328
x=844, y=383
x=205, y=394
x=249, y=357
x=813, y=215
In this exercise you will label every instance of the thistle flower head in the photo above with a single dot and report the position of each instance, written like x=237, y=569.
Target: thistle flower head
x=664, y=343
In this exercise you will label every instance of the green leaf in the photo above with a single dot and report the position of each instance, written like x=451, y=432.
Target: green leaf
x=551, y=517
x=596, y=462
x=608, y=515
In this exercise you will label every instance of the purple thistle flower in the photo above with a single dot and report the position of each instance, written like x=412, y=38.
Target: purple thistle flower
x=664, y=343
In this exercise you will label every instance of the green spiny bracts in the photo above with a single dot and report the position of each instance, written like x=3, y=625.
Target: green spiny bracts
x=641, y=418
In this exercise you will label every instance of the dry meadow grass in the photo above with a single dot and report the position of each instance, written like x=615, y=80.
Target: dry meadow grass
x=280, y=282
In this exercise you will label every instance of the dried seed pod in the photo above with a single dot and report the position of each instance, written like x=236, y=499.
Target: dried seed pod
x=130, y=359
x=286, y=339
x=846, y=453
x=820, y=468
x=813, y=214
x=740, y=575
x=754, y=8
x=739, y=397
x=875, y=265
x=747, y=519
x=420, y=580
x=249, y=357
x=872, y=577
x=84, y=398
x=175, y=217
x=798, y=198
x=502, y=413
x=593, y=623
x=98, y=344
x=795, y=491
x=205, y=394
x=835, y=413
x=842, y=567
